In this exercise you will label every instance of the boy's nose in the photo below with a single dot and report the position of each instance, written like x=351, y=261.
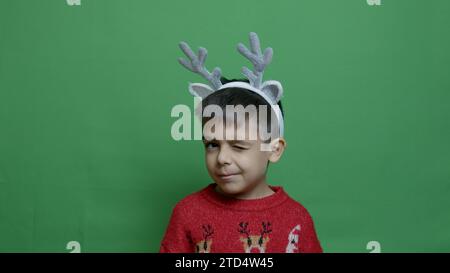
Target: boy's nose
x=224, y=157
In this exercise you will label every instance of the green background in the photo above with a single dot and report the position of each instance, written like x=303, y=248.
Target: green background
x=86, y=92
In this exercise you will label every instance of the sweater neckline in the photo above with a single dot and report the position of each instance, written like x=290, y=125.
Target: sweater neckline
x=256, y=204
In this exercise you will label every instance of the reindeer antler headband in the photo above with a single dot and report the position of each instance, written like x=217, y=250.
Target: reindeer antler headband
x=271, y=91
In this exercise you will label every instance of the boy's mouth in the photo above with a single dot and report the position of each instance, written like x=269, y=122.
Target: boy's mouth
x=227, y=176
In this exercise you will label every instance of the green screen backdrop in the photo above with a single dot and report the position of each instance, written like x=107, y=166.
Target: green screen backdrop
x=87, y=161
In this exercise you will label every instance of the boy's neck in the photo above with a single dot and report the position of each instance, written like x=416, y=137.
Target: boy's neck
x=261, y=190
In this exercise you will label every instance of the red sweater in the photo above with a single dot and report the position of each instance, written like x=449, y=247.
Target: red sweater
x=207, y=221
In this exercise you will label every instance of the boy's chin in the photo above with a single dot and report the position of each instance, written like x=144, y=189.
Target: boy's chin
x=230, y=187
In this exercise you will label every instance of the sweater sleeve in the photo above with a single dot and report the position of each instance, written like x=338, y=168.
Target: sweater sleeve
x=177, y=238
x=309, y=242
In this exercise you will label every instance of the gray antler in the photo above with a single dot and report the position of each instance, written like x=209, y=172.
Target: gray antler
x=197, y=65
x=259, y=60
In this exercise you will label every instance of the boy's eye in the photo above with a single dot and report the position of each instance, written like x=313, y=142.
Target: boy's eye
x=240, y=147
x=211, y=145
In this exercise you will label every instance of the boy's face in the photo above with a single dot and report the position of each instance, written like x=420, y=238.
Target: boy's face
x=237, y=165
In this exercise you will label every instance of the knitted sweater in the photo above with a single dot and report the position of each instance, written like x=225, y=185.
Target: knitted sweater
x=207, y=221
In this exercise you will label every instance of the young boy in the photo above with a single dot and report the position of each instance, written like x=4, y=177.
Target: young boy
x=240, y=211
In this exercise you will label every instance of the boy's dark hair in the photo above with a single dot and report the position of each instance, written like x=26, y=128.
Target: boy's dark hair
x=238, y=96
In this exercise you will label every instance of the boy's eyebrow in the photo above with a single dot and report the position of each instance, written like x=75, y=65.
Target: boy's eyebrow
x=231, y=141
x=239, y=142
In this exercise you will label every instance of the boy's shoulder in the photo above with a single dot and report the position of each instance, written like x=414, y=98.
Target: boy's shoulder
x=299, y=208
x=192, y=199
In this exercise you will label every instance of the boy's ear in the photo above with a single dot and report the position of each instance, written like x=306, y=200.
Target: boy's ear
x=278, y=145
x=200, y=90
